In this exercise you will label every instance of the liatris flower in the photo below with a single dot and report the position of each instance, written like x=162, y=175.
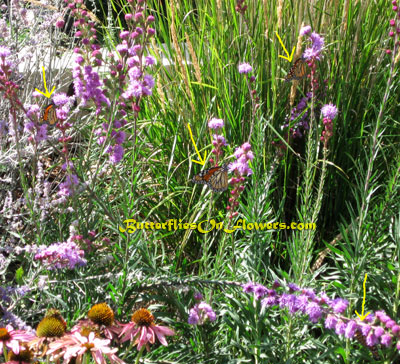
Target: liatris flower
x=240, y=168
x=61, y=255
x=218, y=139
x=245, y=68
x=12, y=339
x=142, y=330
x=199, y=314
x=74, y=346
x=329, y=112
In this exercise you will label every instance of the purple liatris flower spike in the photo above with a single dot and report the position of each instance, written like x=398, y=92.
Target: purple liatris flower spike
x=245, y=68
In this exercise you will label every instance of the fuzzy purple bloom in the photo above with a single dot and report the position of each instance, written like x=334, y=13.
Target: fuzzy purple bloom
x=350, y=329
x=329, y=111
x=62, y=255
x=339, y=305
x=340, y=328
x=386, y=340
x=330, y=322
x=314, y=312
x=306, y=30
x=216, y=124
x=245, y=68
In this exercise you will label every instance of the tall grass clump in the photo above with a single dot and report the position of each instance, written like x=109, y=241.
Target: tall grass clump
x=176, y=201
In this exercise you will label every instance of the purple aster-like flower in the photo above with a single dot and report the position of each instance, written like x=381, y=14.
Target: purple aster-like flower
x=216, y=124
x=350, y=329
x=317, y=41
x=245, y=68
x=339, y=305
x=365, y=329
x=293, y=287
x=306, y=30
x=260, y=291
x=248, y=287
x=329, y=111
x=379, y=331
x=269, y=301
x=314, y=312
x=371, y=339
x=340, y=328
x=117, y=154
x=330, y=321
x=198, y=296
x=386, y=340
x=302, y=302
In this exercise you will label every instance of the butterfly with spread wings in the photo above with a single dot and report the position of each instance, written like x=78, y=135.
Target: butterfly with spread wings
x=215, y=177
x=49, y=115
x=298, y=70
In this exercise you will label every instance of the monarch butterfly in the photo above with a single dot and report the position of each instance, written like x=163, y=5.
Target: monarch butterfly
x=361, y=339
x=297, y=71
x=49, y=115
x=215, y=177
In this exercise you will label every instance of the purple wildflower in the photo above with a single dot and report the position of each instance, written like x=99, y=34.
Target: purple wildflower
x=339, y=305
x=248, y=287
x=340, y=328
x=379, y=331
x=260, y=291
x=216, y=124
x=306, y=30
x=200, y=313
x=314, y=312
x=371, y=339
x=350, y=329
x=329, y=111
x=386, y=340
x=62, y=255
x=245, y=68
x=330, y=321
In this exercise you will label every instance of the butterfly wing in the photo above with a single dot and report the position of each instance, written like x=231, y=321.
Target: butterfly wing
x=297, y=71
x=215, y=177
x=49, y=115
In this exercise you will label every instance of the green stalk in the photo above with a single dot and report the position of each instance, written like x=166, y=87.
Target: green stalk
x=139, y=355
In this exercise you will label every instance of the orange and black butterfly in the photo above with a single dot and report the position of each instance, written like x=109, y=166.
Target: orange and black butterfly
x=215, y=177
x=298, y=70
x=49, y=115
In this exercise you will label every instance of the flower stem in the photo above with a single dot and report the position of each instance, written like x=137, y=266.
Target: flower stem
x=139, y=355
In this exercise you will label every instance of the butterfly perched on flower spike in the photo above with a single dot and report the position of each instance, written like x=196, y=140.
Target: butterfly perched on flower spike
x=298, y=70
x=215, y=177
x=49, y=115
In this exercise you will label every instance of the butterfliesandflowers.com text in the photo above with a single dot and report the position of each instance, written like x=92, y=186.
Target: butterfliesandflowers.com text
x=131, y=225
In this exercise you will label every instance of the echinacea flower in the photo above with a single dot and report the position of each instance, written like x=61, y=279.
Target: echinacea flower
x=101, y=321
x=142, y=330
x=24, y=356
x=74, y=346
x=11, y=338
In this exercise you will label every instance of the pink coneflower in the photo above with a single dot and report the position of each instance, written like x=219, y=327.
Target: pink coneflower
x=11, y=338
x=74, y=346
x=143, y=330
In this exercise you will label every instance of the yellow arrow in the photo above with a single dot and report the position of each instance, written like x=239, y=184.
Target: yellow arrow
x=289, y=58
x=197, y=151
x=47, y=94
x=362, y=316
